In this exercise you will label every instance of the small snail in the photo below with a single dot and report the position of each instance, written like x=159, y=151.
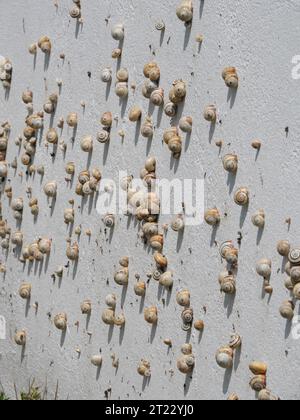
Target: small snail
x=296, y=291
x=3, y=170
x=224, y=357
x=259, y=219
x=233, y=397
x=72, y=120
x=258, y=368
x=175, y=146
x=288, y=284
x=86, y=307
x=235, y=341
x=185, y=11
x=61, y=321
x=97, y=360
x=109, y=220
x=140, y=288
x=186, y=124
x=294, y=256
x=27, y=96
x=17, y=204
x=75, y=11
x=283, y=248
x=120, y=320
x=103, y=136
x=118, y=32
x=135, y=114
x=151, y=315
x=25, y=291
x=166, y=279
x=150, y=229
x=144, y=368
x=148, y=88
x=186, y=361
x=230, y=77
x=264, y=268
x=45, y=44
x=50, y=189
x=230, y=163
x=32, y=49
x=106, y=75
x=121, y=89
x=147, y=129
x=199, y=325
x=111, y=301
x=210, y=113
x=241, y=197
x=170, y=109
x=17, y=238
x=70, y=168
x=152, y=71
x=287, y=310
x=178, y=92
x=121, y=277
x=123, y=75
x=52, y=136
x=227, y=283
x=178, y=223
x=183, y=298
x=157, y=242
x=107, y=119
x=108, y=316
x=295, y=275
x=258, y=383
x=157, y=97
x=21, y=338
x=86, y=144
x=187, y=317
x=212, y=217
x=256, y=144
x=117, y=53
x=266, y=395
x=72, y=251
x=44, y=245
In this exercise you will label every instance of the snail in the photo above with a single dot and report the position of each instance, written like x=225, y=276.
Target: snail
x=107, y=119
x=72, y=251
x=150, y=164
x=35, y=122
x=121, y=277
x=295, y=275
x=97, y=360
x=27, y=96
x=52, y=136
x=225, y=247
x=106, y=75
x=86, y=307
x=144, y=368
x=103, y=136
x=186, y=124
x=288, y=284
x=21, y=338
x=259, y=219
x=70, y=168
x=256, y=144
x=45, y=45
x=169, y=134
x=187, y=317
x=17, y=238
x=266, y=395
x=224, y=357
x=121, y=89
x=227, y=283
x=148, y=88
x=108, y=316
x=157, y=97
x=230, y=77
x=175, y=146
x=212, y=217
x=3, y=170
x=230, y=163
x=69, y=216
x=135, y=114
x=140, y=288
x=233, y=397
x=258, y=368
x=231, y=256
x=210, y=113
x=161, y=260
x=287, y=310
x=50, y=105
x=296, y=291
x=294, y=256
x=178, y=92
x=75, y=11
x=178, y=223
x=32, y=49
x=123, y=75
x=111, y=301
x=150, y=229
x=151, y=315
x=241, y=197
x=147, y=129
x=258, y=383
x=61, y=321
x=283, y=248
x=185, y=11
x=50, y=189
x=160, y=26
x=116, y=53
x=44, y=245
x=183, y=298
x=199, y=325
x=25, y=291
x=235, y=341
x=109, y=220
x=118, y=32
x=264, y=268
x=170, y=109
x=166, y=279
x=157, y=242
x=86, y=144
x=120, y=320
x=151, y=71
x=72, y=120
x=186, y=361
x=17, y=204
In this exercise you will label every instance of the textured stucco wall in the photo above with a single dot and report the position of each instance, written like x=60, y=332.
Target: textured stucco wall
x=259, y=38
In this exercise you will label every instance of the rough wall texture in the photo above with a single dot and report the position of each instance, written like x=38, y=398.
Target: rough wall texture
x=259, y=38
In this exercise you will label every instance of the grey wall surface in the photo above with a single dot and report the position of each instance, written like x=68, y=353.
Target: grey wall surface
x=259, y=38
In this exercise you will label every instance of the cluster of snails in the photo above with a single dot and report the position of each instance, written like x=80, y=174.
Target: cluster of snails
x=109, y=316
x=118, y=34
x=103, y=136
x=152, y=74
x=37, y=250
x=225, y=355
x=5, y=232
x=88, y=182
x=264, y=269
x=227, y=278
x=51, y=103
x=144, y=368
x=231, y=77
x=259, y=382
x=121, y=87
x=6, y=70
x=174, y=141
x=186, y=362
x=4, y=135
x=72, y=251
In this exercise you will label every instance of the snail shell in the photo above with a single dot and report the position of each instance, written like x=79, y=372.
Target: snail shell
x=150, y=164
x=258, y=383
x=108, y=316
x=183, y=298
x=123, y=75
x=230, y=77
x=107, y=119
x=266, y=395
x=199, y=325
x=294, y=256
x=295, y=275
x=170, y=109
x=118, y=32
x=106, y=75
x=149, y=68
x=69, y=215
x=178, y=224
x=224, y=357
x=50, y=189
x=44, y=44
x=144, y=368
x=17, y=204
x=44, y=245
x=233, y=397
x=103, y=136
x=210, y=113
x=288, y=284
x=148, y=88
x=241, y=197
x=151, y=315
x=117, y=53
x=161, y=260
x=70, y=168
x=111, y=301
x=73, y=251
x=147, y=129
x=157, y=242
x=185, y=11
x=287, y=310
x=187, y=316
x=230, y=163
x=75, y=12
x=166, y=279
x=186, y=364
x=61, y=321
x=121, y=89
x=264, y=268
x=3, y=170
x=135, y=114
x=27, y=97
x=86, y=144
x=109, y=221
x=140, y=288
x=20, y=338
x=157, y=97
x=296, y=291
x=157, y=274
x=17, y=238
x=231, y=256
x=97, y=360
x=121, y=277
x=235, y=341
x=178, y=92
x=259, y=219
x=258, y=368
x=72, y=120
x=25, y=291
x=32, y=49
x=52, y=136
x=86, y=307
x=283, y=248
x=212, y=217
x=35, y=122
x=150, y=229
x=169, y=134
x=228, y=285
x=175, y=146
x=120, y=320
x=186, y=124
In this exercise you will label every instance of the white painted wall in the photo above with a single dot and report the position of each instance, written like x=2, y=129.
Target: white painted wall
x=259, y=38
